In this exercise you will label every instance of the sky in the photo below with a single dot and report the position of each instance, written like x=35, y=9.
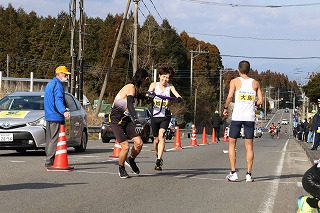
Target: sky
x=278, y=35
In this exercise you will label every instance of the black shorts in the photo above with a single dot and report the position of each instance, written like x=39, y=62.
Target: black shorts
x=235, y=128
x=126, y=129
x=158, y=123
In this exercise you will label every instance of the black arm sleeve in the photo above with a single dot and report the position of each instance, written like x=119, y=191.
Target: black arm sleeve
x=141, y=96
x=130, y=106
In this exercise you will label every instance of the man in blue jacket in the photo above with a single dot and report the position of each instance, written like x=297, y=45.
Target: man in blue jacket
x=55, y=111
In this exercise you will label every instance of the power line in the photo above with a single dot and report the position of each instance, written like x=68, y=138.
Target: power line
x=265, y=57
x=251, y=5
x=255, y=38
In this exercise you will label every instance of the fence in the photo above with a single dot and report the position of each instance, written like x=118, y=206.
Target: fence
x=9, y=84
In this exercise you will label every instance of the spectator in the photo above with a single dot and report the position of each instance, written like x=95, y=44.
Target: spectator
x=55, y=111
x=216, y=122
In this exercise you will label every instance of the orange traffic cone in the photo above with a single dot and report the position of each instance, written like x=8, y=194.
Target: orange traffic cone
x=61, y=157
x=225, y=136
x=213, y=138
x=204, y=137
x=116, y=150
x=193, y=141
x=177, y=140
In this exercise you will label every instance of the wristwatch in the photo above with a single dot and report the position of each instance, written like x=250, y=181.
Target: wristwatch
x=225, y=107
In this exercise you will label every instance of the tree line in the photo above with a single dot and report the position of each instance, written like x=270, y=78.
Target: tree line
x=39, y=44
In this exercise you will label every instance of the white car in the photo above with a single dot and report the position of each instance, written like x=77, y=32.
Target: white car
x=284, y=121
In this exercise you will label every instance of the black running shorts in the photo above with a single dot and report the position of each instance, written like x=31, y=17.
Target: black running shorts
x=158, y=123
x=126, y=129
x=235, y=128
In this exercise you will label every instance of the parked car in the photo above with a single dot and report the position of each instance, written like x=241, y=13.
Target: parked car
x=23, y=126
x=144, y=117
x=284, y=121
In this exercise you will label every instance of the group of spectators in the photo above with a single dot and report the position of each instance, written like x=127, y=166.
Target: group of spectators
x=306, y=130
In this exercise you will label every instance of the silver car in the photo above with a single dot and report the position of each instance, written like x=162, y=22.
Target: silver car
x=23, y=127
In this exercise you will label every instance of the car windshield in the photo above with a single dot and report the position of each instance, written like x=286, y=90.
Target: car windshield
x=21, y=103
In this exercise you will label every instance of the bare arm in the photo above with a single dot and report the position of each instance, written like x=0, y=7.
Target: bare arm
x=259, y=94
x=174, y=91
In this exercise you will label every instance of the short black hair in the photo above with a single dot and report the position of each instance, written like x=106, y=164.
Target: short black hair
x=244, y=67
x=166, y=70
x=139, y=77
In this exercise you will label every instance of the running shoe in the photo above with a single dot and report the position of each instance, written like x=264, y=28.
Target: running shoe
x=130, y=162
x=122, y=172
x=249, y=178
x=161, y=160
x=303, y=206
x=158, y=165
x=232, y=177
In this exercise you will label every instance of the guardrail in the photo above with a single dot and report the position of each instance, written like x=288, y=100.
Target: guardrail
x=94, y=129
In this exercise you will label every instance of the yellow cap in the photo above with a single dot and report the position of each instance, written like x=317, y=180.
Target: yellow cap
x=63, y=69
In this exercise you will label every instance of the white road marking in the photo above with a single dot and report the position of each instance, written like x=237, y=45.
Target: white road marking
x=17, y=161
x=268, y=203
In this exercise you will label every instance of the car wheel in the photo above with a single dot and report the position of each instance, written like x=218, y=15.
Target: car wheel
x=83, y=145
x=105, y=140
x=21, y=150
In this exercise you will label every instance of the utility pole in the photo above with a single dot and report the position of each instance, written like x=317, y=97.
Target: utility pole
x=198, y=52
x=135, y=38
x=105, y=82
x=72, y=45
x=8, y=61
x=81, y=52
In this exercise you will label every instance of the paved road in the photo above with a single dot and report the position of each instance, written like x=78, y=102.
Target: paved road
x=192, y=180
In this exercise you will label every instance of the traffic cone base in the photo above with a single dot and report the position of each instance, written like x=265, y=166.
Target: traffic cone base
x=177, y=139
x=213, y=138
x=61, y=157
x=204, y=137
x=116, y=150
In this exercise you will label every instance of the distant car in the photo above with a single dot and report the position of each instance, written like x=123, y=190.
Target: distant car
x=23, y=127
x=144, y=117
x=286, y=110
x=284, y=121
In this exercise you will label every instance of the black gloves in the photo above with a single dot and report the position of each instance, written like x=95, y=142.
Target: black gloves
x=179, y=99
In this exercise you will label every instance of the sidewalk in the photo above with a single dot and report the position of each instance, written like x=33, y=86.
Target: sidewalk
x=312, y=154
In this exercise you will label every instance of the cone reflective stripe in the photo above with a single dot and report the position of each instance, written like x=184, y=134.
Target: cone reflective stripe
x=177, y=139
x=193, y=141
x=116, y=150
x=61, y=157
x=204, y=137
x=225, y=137
x=213, y=138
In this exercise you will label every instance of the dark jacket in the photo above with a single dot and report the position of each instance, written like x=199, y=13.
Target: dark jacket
x=216, y=121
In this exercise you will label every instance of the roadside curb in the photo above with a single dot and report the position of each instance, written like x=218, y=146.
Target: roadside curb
x=312, y=154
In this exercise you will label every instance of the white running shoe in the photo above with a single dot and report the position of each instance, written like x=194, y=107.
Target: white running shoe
x=232, y=177
x=249, y=178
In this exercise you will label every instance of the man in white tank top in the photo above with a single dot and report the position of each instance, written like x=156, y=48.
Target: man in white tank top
x=247, y=94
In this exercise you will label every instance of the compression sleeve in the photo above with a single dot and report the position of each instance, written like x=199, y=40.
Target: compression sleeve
x=130, y=106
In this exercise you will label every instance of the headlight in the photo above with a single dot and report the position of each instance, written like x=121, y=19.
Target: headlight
x=39, y=122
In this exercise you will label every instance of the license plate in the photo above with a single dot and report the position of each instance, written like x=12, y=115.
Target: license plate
x=6, y=137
